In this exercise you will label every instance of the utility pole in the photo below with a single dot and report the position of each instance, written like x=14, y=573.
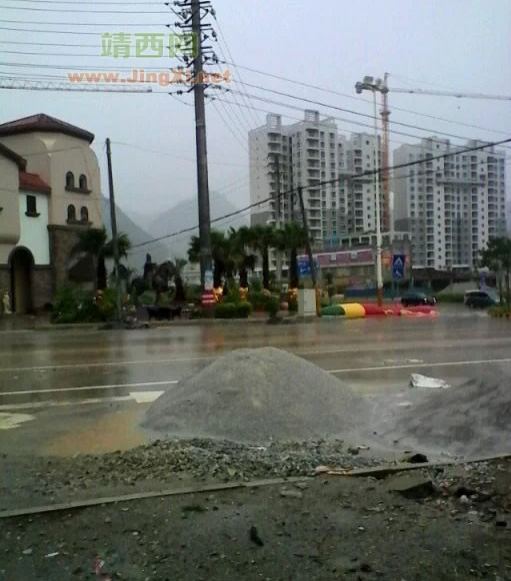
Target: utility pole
x=206, y=262
x=278, y=254
x=115, y=243
x=309, y=249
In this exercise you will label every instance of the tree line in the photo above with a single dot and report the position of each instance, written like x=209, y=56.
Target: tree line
x=237, y=251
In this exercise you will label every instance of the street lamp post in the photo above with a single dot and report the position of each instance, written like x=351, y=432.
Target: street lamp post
x=369, y=84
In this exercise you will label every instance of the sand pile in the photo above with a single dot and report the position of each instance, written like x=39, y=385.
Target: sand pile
x=259, y=395
x=469, y=420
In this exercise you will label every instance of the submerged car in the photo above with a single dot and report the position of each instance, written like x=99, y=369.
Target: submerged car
x=416, y=298
x=480, y=299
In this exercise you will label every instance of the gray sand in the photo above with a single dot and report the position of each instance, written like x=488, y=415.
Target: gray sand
x=256, y=396
x=473, y=419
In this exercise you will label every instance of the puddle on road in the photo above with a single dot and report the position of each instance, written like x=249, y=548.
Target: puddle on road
x=118, y=431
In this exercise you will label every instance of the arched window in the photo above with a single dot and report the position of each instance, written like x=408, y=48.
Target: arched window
x=84, y=214
x=83, y=182
x=70, y=180
x=71, y=213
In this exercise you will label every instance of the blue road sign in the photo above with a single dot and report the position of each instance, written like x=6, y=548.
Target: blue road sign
x=304, y=268
x=398, y=266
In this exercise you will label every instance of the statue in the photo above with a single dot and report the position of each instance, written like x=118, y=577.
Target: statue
x=149, y=267
x=6, y=302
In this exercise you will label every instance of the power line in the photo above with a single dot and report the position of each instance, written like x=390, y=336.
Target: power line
x=53, y=31
x=347, y=96
x=106, y=2
x=224, y=40
x=80, y=23
x=329, y=182
x=226, y=123
x=169, y=154
x=352, y=122
x=74, y=11
x=350, y=111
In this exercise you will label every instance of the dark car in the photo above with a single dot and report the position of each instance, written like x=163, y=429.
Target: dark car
x=415, y=298
x=479, y=299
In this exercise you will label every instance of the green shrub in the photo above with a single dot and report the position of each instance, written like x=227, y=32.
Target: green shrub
x=233, y=295
x=499, y=311
x=106, y=304
x=193, y=293
x=256, y=298
x=292, y=305
x=232, y=310
x=256, y=285
x=244, y=309
x=272, y=305
x=73, y=305
x=450, y=298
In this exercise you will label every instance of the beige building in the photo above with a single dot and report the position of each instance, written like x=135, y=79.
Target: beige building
x=49, y=191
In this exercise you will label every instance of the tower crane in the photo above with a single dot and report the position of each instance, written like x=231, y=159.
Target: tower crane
x=385, y=113
x=25, y=84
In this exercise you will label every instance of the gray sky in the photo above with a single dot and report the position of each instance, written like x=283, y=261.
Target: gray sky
x=460, y=45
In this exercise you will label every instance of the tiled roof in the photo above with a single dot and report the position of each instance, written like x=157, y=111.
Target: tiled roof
x=42, y=122
x=33, y=182
x=13, y=156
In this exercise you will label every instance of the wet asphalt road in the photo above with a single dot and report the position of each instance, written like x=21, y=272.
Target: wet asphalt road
x=84, y=390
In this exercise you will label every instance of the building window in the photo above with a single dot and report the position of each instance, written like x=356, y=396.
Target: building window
x=31, y=206
x=71, y=213
x=84, y=214
x=70, y=180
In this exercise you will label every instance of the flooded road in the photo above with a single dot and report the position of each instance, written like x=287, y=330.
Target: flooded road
x=84, y=390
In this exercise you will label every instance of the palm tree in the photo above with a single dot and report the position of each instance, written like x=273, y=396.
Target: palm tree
x=94, y=241
x=291, y=238
x=497, y=257
x=222, y=263
x=262, y=239
x=243, y=261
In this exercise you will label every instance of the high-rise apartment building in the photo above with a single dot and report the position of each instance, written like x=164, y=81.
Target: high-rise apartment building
x=452, y=205
x=312, y=154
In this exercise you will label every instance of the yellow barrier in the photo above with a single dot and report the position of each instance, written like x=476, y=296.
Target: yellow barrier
x=353, y=310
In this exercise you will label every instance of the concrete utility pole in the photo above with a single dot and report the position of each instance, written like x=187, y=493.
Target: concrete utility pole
x=278, y=254
x=309, y=249
x=113, y=222
x=206, y=262
x=369, y=84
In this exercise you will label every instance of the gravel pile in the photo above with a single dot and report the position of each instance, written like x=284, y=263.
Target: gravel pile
x=470, y=420
x=258, y=396
x=203, y=460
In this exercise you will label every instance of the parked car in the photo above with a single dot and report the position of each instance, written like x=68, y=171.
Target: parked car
x=415, y=298
x=480, y=299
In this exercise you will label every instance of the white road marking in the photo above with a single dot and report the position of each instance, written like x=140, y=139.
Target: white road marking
x=145, y=396
x=415, y=365
x=500, y=341
x=90, y=387
x=104, y=364
x=10, y=421
x=50, y=403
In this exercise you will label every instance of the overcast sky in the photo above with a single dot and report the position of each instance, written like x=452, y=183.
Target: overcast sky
x=460, y=45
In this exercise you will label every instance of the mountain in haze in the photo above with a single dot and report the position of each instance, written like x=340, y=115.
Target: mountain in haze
x=137, y=235
x=184, y=215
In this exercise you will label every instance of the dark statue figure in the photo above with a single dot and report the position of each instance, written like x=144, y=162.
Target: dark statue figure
x=157, y=278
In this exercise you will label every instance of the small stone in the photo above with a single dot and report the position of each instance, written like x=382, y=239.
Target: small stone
x=464, y=499
x=291, y=493
x=353, y=451
x=27, y=552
